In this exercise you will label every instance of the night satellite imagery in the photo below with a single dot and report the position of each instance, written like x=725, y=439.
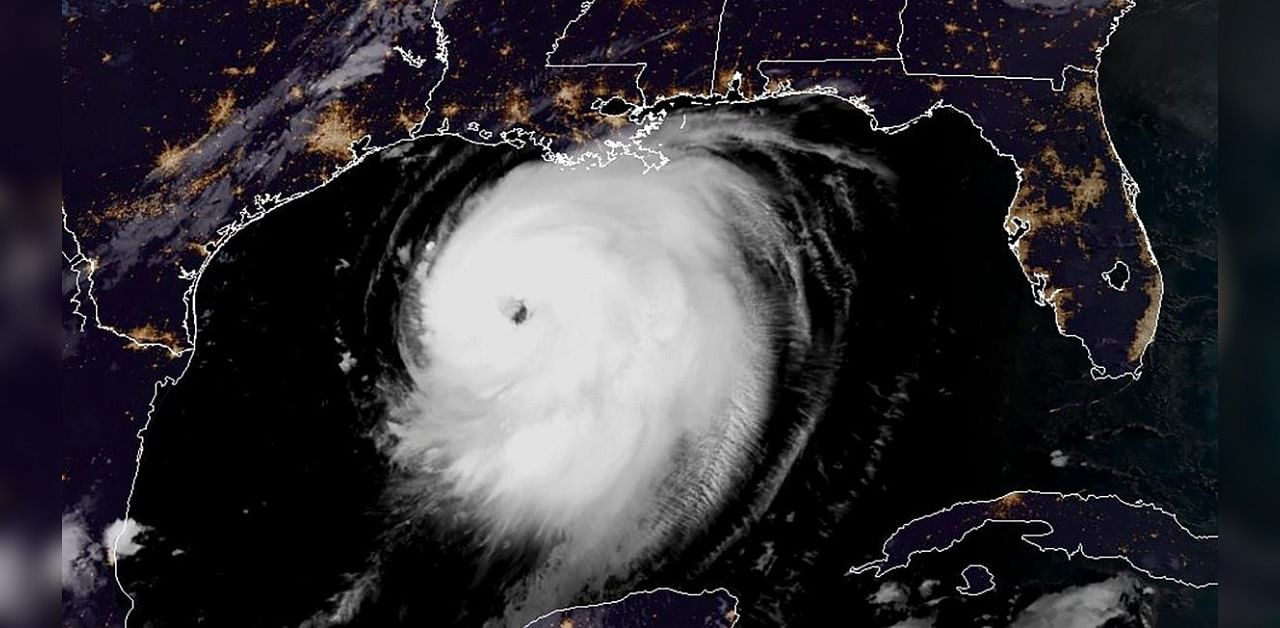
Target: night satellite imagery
x=639, y=313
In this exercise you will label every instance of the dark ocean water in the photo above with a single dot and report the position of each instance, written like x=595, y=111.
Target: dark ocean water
x=262, y=484
x=265, y=493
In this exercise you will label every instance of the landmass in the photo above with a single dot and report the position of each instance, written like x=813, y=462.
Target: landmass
x=264, y=101
x=184, y=122
x=1148, y=538
x=658, y=608
x=977, y=580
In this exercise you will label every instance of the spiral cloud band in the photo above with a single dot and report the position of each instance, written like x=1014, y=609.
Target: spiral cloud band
x=482, y=386
x=607, y=365
x=589, y=337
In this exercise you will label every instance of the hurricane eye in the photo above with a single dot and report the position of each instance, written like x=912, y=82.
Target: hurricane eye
x=514, y=310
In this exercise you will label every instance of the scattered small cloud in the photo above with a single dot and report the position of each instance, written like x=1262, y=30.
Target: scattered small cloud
x=346, y=361
x=1056, y=6
x=889, y=593
x=915, y=622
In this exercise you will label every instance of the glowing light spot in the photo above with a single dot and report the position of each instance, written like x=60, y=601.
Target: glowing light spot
x=334, y=131
x=171, y=157
x=151, y=334
x=569, y=96
x=248, y=70
x=516, y=108
x=450, y=110
x=222, y=108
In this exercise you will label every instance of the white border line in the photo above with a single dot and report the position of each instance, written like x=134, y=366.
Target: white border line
x=1036, y=282
x=83, y=266
x=736, y=615
x=1106, y=276
x=876, y=565
x=715, y=56
x=966, y=588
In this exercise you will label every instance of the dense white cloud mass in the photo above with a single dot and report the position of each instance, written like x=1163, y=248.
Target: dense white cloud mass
x=80, y=556
x=590, y=355
x=120, y=539
x=915, y=622
x=889, y=593
x=12, y=572
x=591, y=342
x=28, y=577
x=1087, y=606
x=592, y=351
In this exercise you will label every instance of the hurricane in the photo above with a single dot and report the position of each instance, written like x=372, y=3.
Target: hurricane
x=583, y=341
x=593, y=354
x=527, y=380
